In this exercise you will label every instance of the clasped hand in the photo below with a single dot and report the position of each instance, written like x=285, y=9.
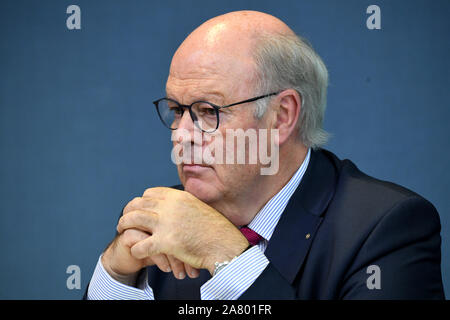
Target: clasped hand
x=173, y=230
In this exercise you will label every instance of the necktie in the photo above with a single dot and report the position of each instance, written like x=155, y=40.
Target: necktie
x=252, y=237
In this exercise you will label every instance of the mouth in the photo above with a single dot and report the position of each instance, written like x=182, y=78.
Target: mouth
x=194, y=168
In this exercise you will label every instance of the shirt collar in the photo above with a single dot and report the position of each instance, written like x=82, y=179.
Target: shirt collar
x=266, y=219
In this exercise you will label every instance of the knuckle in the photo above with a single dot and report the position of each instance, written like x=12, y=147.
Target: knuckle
x=126, y=221
x=136, y=200
x=149, y=203
x=147, y=192
x=123, y=221
x=119, y=224
x=131, y=205
x=156, y=192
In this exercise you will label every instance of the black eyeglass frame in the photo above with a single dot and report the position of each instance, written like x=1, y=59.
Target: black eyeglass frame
x=216, y=108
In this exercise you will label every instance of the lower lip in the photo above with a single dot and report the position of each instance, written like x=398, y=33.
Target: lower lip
x=194, y=168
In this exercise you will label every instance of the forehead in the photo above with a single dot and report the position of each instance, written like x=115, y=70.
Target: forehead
x=202, y=73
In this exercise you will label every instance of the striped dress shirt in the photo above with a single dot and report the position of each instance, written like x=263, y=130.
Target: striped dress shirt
x=233, y=280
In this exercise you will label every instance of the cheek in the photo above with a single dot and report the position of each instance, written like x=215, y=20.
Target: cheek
x=241, y=117
x=235, y=175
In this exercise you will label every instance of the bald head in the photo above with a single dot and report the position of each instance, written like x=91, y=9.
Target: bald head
x=231, y=34
x=236, y=29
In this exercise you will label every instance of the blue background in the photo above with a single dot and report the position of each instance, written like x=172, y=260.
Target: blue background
x=80, y=138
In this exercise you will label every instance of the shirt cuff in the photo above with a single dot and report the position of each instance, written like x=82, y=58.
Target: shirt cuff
x=233, y=280
x=104, y=287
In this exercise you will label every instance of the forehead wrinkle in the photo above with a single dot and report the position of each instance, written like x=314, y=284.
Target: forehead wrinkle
x=199, y=73
x=192, y=90
x=198, y=63
x=226, y=78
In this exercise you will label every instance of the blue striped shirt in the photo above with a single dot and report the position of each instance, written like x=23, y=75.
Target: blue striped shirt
x=233, y=280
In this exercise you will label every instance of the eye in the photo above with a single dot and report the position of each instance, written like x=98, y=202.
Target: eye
x=175, y=108
x=205, y=109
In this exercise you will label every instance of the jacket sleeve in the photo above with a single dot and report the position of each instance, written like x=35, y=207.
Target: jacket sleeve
x=270, y=285
x=400, y=258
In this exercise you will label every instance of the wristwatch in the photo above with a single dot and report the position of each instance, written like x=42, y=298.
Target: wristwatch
x=220, y=265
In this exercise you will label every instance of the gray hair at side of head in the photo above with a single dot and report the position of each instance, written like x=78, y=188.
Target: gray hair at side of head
x=290, y=62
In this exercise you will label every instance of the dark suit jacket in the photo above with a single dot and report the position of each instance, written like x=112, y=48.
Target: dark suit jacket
x=339, y=222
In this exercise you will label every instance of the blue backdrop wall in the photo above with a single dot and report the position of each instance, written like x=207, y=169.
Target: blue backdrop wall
x=80, y=138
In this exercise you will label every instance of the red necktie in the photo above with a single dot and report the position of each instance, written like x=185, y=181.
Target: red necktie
x=252, y=237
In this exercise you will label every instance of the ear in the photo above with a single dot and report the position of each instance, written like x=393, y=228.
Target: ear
x=289, y=105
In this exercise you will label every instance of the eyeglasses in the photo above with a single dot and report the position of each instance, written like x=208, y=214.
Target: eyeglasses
x=204, y=114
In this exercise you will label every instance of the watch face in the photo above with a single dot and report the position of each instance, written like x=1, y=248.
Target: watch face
x=220, y=265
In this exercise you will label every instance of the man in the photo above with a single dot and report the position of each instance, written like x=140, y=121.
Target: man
x=317, y=228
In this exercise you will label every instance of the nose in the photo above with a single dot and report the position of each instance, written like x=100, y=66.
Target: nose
x=187, y=131
x=186, y=122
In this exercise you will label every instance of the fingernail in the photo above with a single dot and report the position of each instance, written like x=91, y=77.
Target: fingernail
x=181, y=275
x=168, y=269
x=194, y=274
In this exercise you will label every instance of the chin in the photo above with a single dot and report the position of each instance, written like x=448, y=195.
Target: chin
x=202, y=190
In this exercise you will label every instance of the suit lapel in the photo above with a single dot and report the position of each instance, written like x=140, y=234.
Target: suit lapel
x=301, y=219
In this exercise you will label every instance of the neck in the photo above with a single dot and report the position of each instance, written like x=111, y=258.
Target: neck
x=243, y=207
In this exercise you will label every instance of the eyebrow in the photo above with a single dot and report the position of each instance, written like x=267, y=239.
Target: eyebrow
x=204, y=97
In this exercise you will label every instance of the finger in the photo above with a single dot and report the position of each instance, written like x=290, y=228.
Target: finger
x=145, y=248
x=191, y=271
x=158, y=192
x=132, y=236
x=177, y=267
x=162, y=262
x=138, y=219
x=139, y=203
x=132, y=205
